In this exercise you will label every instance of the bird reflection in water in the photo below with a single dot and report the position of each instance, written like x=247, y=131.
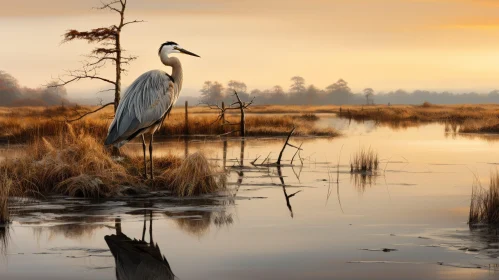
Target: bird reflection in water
x=138, y=259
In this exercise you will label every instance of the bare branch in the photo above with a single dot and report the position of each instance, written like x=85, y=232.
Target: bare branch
x=132, y=22
x=84, y=73
x=102, y=60
x=88, y=113
x=109, y=6
x=106, y=90
x=297, y=151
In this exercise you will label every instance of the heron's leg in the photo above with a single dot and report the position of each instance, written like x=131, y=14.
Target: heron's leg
x=145, y=159
x=151, y=241
x=150, y=157
x=144, y=228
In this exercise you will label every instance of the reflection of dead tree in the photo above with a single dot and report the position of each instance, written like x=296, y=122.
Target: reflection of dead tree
x=237, y=105
x=279, y=166
x=288, y=203
x=109, y=50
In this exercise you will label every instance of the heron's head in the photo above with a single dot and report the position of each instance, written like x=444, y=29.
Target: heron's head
x=172, y=47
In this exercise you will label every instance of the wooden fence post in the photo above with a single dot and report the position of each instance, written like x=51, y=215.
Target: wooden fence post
x=186, y=119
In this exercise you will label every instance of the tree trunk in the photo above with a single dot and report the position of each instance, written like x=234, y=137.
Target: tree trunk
x=117, y=88
x=222, y=117
x=243, y=128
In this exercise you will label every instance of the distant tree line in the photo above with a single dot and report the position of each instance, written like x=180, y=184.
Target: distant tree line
x=338, y=93
x=12, y=94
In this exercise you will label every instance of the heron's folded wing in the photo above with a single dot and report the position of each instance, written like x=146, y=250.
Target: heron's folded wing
x=144, y=103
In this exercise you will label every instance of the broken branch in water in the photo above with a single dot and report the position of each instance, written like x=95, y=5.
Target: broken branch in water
x=278, y=162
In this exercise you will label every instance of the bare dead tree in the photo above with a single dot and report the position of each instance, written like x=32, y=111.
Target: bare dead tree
x=241, y=106
x=237, y=105
x=108, y=50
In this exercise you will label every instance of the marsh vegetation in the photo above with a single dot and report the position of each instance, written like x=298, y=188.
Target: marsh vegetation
x=484, y=207
x=364, y=160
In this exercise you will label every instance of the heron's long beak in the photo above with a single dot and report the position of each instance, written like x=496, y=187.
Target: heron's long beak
x=187, y=52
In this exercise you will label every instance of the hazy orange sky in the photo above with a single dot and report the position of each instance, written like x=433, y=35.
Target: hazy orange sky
x=383, y=44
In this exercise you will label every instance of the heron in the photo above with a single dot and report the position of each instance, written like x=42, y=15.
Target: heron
x=147, y=102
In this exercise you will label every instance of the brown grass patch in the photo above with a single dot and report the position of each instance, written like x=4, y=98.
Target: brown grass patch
x=484, y=207
x=73, y=163
x=194, y=176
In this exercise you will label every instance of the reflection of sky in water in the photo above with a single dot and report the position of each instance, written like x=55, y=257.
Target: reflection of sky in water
x=423, y=193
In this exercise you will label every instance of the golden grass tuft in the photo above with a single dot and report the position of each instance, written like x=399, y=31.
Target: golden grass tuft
x=365, y=160
x=484, y=207
x=194, y=176
x=73, y=163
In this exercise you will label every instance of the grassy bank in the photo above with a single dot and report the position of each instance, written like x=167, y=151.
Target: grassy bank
x=26, y=123
x=74, y=163
x=422, y=113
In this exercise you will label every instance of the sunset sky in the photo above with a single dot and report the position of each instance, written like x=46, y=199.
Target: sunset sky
x=383, y=44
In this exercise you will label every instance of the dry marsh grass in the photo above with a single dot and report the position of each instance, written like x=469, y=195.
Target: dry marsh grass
x=26, y=123
x=484, y=207
x=490, y=125
x=194, y=176
x=422, y=113
x=365, y=160
x=73, y=163
x=76, y=164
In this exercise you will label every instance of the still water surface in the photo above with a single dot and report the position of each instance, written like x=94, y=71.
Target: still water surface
x=314, y=228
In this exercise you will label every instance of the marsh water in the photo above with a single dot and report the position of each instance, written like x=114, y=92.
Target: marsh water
x=312, y=220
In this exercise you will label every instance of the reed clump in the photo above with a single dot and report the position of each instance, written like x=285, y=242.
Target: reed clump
x=365, y=160
x=194, y=176
x=484, y=207
x=5, y=190
x=74, y=164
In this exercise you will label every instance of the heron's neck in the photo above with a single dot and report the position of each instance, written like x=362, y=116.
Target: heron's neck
x=177, y=73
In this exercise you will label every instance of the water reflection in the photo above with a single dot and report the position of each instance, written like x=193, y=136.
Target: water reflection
x=361, y=181
x=4, y=238
x=138, y=259
x=286, y=195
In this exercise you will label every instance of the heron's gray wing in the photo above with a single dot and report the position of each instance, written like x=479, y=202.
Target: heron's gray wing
x=144, y=103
